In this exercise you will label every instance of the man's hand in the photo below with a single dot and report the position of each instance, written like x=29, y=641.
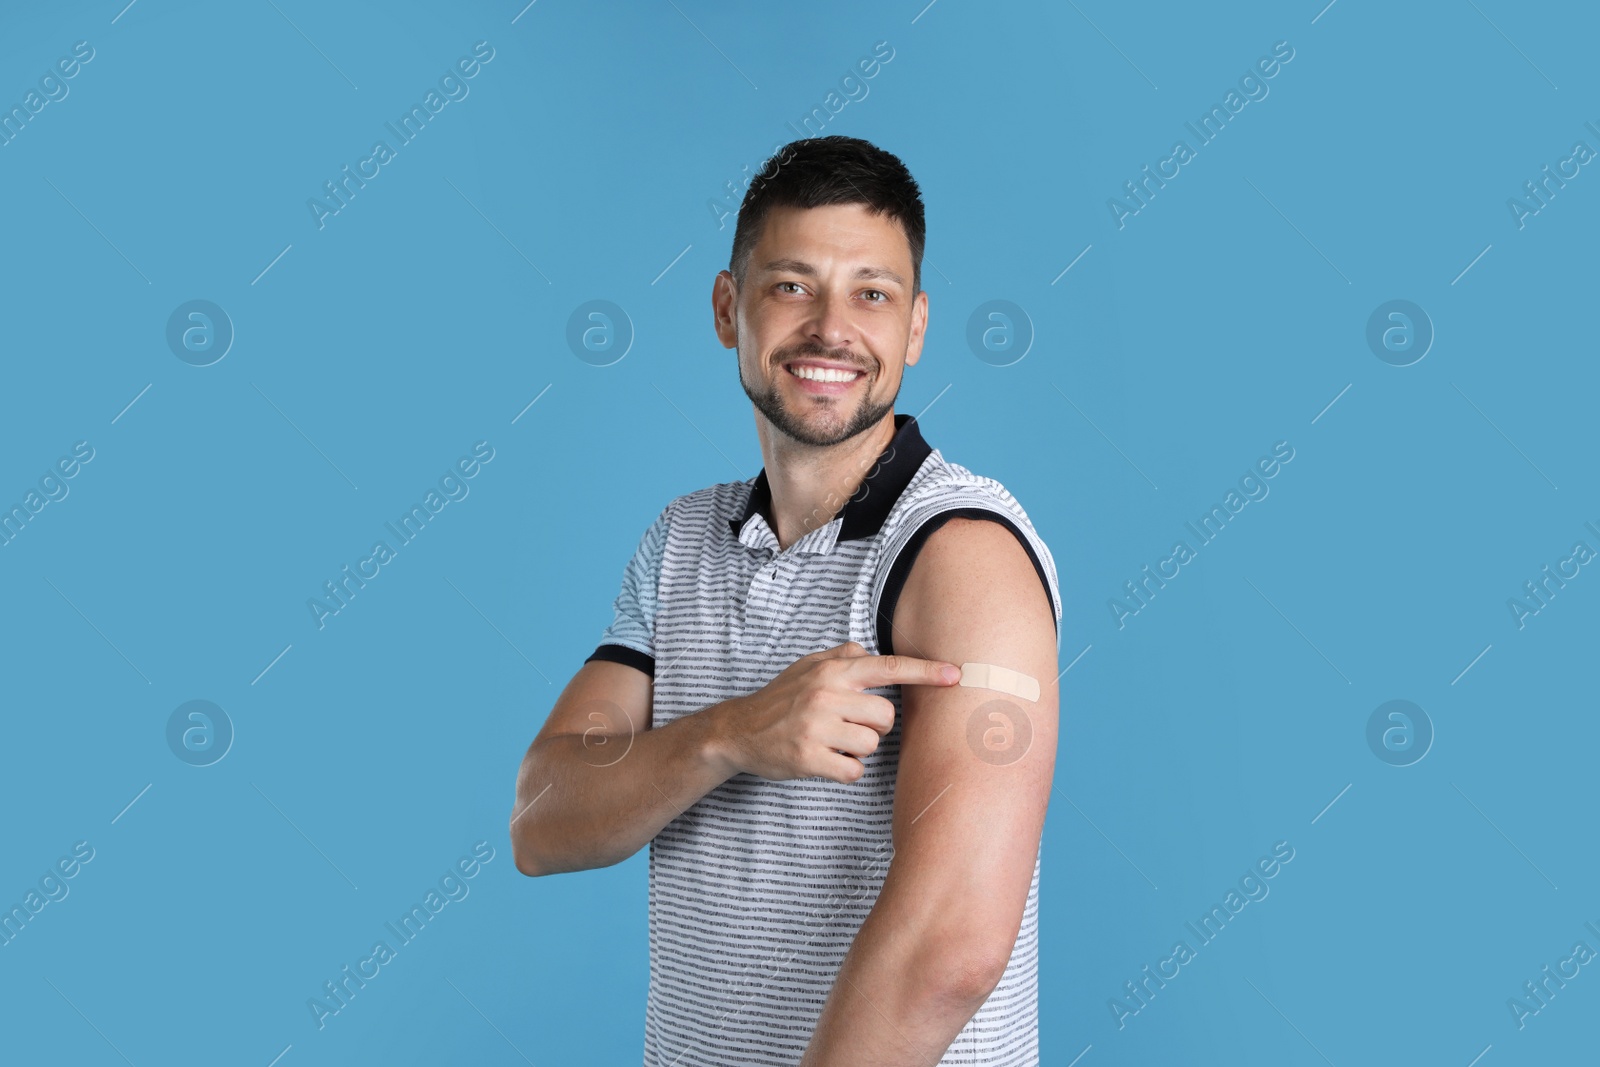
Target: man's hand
x=814, y=719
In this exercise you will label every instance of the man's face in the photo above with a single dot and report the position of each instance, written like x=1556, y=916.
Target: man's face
x=827, y=295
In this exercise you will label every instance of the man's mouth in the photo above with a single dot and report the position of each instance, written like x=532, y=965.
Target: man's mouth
x=821, y=374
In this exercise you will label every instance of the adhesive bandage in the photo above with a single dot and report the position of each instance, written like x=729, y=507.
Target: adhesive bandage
x=1000, y=679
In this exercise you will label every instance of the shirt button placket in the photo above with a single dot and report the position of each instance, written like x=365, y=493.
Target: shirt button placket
x=753, y=632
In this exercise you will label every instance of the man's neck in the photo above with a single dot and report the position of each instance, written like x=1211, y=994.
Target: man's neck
x=810, y=485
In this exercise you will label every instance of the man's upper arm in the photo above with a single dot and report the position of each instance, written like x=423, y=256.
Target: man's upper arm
x=975, y=764
x=630, y=639
x=606, y=702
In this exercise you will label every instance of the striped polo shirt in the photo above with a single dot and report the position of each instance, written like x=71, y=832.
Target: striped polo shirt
x=758, y=889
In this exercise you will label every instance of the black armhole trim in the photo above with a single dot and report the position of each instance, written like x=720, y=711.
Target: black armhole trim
x=623, y=654
x=908, y=555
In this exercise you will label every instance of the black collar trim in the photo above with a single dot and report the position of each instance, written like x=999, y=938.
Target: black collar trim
x=865, y=512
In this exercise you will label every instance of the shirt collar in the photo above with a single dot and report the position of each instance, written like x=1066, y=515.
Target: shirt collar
x=863, y=514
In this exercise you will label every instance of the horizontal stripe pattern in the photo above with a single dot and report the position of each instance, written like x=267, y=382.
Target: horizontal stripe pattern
x=758, y=889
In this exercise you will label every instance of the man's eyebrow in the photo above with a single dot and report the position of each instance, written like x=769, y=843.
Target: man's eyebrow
x=796, y=266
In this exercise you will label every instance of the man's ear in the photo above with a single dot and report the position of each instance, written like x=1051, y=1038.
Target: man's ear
x=724, y=304
x=919, y=328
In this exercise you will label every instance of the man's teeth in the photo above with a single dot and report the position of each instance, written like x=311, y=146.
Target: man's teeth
x=824, y=374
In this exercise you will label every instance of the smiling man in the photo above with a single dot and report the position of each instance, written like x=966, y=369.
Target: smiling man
x=844, y=843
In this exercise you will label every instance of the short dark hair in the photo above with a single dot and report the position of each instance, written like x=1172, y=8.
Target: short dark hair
x=820, y=171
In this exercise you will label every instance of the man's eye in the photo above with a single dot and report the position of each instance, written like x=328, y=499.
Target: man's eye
x=795, y=284
x=881, y=293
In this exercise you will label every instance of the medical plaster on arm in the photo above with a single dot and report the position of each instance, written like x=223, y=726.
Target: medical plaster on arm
x=1000, y=679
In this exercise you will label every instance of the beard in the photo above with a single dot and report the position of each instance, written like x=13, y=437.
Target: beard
x=805, y=426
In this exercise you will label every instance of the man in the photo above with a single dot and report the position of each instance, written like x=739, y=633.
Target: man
x=843, y=844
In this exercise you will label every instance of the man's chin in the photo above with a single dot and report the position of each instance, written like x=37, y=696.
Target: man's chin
x=815, y=435
x=810, y=420
x=816, y=425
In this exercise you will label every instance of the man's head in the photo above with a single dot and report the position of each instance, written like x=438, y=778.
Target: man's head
x=826, y=276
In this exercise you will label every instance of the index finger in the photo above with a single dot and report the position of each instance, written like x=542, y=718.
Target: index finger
x=903, y=670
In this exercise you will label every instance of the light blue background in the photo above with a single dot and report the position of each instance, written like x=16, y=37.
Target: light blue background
x=429, y=312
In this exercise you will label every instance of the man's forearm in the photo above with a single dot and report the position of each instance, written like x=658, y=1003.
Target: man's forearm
x=575, y=810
